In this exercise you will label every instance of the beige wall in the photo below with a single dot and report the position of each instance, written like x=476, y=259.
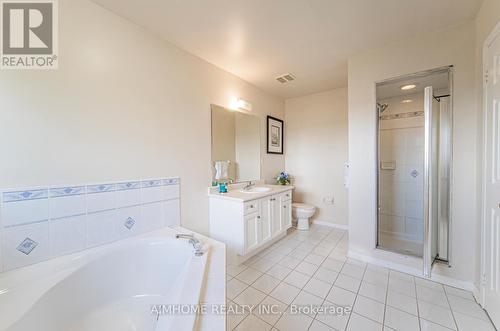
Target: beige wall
x=316, y=150
x=487, y=18
x=452, y=46
x=122, y=105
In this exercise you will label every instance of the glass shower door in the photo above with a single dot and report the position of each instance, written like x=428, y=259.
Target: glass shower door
x=431, y=179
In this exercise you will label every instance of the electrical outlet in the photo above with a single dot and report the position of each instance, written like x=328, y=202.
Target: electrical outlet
x=328, y=200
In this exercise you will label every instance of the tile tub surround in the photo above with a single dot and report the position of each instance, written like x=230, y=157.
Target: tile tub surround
x=314, y=270
x=37, y=224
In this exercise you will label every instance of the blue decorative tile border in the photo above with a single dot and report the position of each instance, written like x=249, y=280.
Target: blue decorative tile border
x=151, y=183
x=24, y=195
x=66, y=191
x=128, y=186
x=100, y=188
x=171, y=181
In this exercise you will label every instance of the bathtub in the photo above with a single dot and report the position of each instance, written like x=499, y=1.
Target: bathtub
x=116, y=287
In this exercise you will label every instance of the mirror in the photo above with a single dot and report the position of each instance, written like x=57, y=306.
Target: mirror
x=235, y=146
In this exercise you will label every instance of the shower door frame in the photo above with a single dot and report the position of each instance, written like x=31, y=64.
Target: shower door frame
x=426, y=238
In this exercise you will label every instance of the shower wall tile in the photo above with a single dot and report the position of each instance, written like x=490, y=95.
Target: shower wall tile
x=401, y=189
x=41, y=223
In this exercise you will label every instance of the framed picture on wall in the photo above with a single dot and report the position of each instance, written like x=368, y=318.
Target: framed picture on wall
x=274, y=135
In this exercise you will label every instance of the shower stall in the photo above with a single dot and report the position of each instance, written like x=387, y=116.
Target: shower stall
x=414, y=116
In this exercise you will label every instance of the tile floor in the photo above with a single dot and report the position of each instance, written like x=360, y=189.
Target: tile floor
x=311, y=268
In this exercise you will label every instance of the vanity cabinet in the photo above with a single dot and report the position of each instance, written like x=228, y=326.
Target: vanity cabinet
x=249, y=226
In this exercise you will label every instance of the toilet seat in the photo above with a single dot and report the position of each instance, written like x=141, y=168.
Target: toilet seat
x=302, y=206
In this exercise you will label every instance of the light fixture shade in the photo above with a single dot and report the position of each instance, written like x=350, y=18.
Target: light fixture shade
x=408, y=87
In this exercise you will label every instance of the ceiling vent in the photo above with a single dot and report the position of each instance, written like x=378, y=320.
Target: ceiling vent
x=285, y=78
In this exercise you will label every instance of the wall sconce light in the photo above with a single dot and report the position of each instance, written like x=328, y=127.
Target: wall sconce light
x=240, y=104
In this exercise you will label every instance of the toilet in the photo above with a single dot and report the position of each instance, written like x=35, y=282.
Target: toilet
x=302, y=212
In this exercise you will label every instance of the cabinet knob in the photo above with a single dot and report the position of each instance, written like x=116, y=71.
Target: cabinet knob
x=251, y=206
x=288, y=195
x=284, y=206
x=258, y=217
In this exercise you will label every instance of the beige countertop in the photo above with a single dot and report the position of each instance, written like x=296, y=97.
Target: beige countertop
x=234, y=192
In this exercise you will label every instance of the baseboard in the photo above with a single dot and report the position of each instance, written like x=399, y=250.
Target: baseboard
x=332, y=225
x=465, y=285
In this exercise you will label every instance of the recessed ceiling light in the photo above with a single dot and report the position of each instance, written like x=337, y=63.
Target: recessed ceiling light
x=408, y=87
x=407, y=101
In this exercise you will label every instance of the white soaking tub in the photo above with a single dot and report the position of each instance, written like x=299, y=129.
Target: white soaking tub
x=115, y=287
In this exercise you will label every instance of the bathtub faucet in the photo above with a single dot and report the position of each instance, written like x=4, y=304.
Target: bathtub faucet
x=197, y=244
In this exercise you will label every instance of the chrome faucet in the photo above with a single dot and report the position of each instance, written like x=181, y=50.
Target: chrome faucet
x=248, y=186
x=197, y=244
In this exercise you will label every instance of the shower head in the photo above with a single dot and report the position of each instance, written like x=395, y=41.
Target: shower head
x=381, y=107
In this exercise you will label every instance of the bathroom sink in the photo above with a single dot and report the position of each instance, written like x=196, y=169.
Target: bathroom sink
x=256, y=189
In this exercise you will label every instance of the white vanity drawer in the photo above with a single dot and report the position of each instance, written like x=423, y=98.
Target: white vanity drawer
x=287, y=196
x=251, y=207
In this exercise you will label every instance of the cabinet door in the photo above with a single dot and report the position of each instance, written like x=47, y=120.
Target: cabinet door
x=252, y=231
x=286, y=215
x=275, y=214
x=266, y=210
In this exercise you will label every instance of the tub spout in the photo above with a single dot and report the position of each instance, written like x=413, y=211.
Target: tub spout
x=197, y=244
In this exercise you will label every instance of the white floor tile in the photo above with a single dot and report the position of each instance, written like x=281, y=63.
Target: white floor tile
x=429, y=284
x=285, y=293
x=400, y=320
x=279, y=271
x=402, y=286
x=326, y=275
x=459, y=293
x=375, y=277
x=234, y=288
x=314, y=259
x=467, y=307
x=338, y=322
x=249, y=275
x=289, y=262
x=233, y=270
x=249, y=297
x=294, y=322
x=318, y=326
x=307, y=268
x=263, y=264
x=401, y=276
x=297, y=279
x=305, y=299
x=369, y=308
x=332, y=264
x=266, y=283
x=372, y=291
x=318, y=287
x=434, y=296
x=252, y=323
x=402, y=302
x=360, y=323
x=270, y=310
x=353, y=270
x=426, y=325
x=304, y=277
x=466, y=322
x=436, y=314
x=234, y=316
x=348, y=283
x=341, y=296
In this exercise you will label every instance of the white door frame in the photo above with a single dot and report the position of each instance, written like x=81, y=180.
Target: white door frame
x=491, y=37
